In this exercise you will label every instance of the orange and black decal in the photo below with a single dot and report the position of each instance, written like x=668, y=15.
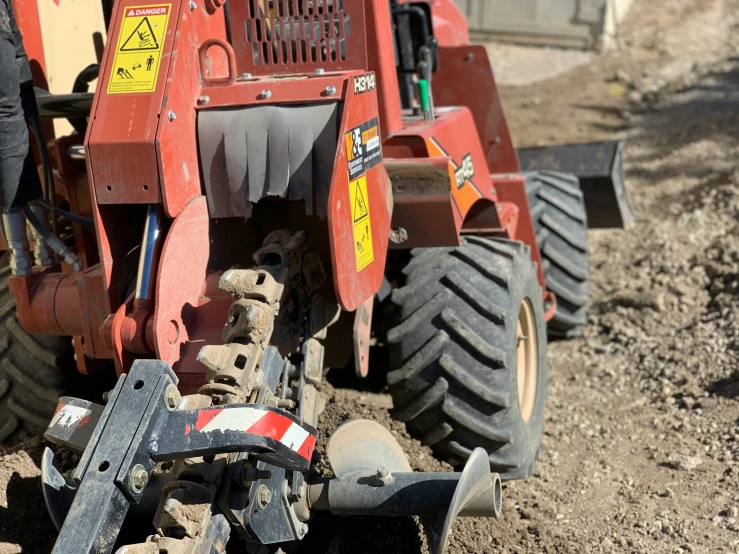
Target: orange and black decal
x=363, y=150
x=465, y=193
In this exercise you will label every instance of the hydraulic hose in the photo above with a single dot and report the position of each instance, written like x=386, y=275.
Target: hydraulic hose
x=82, y=220
x=53, y=241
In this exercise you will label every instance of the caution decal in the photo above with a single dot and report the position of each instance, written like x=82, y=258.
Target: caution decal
x=363, y=150
x=361, y=222
x=138, y=54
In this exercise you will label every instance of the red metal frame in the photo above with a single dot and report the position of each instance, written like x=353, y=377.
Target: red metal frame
x=142, y=149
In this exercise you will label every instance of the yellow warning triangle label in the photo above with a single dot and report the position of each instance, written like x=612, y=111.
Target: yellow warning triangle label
x=141, y=39
x=360, y=205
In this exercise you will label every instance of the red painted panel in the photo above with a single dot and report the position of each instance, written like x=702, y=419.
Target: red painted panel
x=458, y=67
x=453, y=134
x=181, y=279
x=352, y=285
x=122, y=160
x=177, y=152
x=381, y=59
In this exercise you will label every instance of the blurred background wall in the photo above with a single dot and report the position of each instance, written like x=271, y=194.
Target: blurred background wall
x=585, y=24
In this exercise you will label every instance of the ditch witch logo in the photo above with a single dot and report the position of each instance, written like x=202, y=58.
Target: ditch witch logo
x=363, y=150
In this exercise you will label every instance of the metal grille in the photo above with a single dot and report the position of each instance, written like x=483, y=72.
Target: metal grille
x=294, y=36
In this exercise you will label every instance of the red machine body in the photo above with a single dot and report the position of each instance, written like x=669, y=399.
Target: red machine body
x=389, y=170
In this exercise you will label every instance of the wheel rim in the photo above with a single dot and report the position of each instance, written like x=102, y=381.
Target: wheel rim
x=527, y=359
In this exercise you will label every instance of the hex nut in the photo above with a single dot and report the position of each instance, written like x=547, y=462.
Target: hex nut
x=137, y=478
x=171, y=397
x=264, y=496
x=383, y=476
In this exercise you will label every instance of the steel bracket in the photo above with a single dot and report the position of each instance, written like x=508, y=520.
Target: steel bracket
x=138, y=428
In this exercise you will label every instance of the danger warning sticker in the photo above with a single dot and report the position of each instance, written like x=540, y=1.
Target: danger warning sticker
x=363, y=249
x=363, y=150
x=139, y=50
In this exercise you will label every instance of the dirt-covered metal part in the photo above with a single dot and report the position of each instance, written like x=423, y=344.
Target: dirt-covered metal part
x=373, y=477
x=237, y=372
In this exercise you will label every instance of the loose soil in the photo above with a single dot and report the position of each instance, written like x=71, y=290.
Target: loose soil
x=641, y=446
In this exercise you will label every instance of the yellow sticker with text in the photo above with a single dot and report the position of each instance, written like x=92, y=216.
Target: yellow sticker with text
x=361, y=223
x=138, y=54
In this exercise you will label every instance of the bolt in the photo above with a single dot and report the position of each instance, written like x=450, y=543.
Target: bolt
x=250, y=474
x=264, y=496
x=137, y=479
x=320, y=71
x=330, y=90
x=266, y=93
x=171, y=397
x=384, y=476
x=192, y=5
x=204, y=100
x=246, y=75
x=171, y=115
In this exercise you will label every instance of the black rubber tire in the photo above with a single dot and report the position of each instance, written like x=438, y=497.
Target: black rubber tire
x=561, y=225
x=456, y=382
x=34, y=372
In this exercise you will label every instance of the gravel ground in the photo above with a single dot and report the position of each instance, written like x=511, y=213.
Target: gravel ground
x=641, y=448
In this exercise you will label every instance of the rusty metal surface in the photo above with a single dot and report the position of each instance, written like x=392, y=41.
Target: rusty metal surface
x=458, y=67
x=297, y=36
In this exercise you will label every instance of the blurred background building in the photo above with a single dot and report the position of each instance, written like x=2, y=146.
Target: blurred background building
x=585, y=24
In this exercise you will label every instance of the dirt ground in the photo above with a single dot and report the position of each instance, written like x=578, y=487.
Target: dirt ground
x=641, y=448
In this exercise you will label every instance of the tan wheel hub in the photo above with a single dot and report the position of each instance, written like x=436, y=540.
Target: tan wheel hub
x=527, y=359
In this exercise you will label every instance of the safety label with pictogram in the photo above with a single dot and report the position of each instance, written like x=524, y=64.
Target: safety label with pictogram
x=138, y=54
x=363, y=249
x=363, y=151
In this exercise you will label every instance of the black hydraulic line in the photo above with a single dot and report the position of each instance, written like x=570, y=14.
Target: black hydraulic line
x=81, y=219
